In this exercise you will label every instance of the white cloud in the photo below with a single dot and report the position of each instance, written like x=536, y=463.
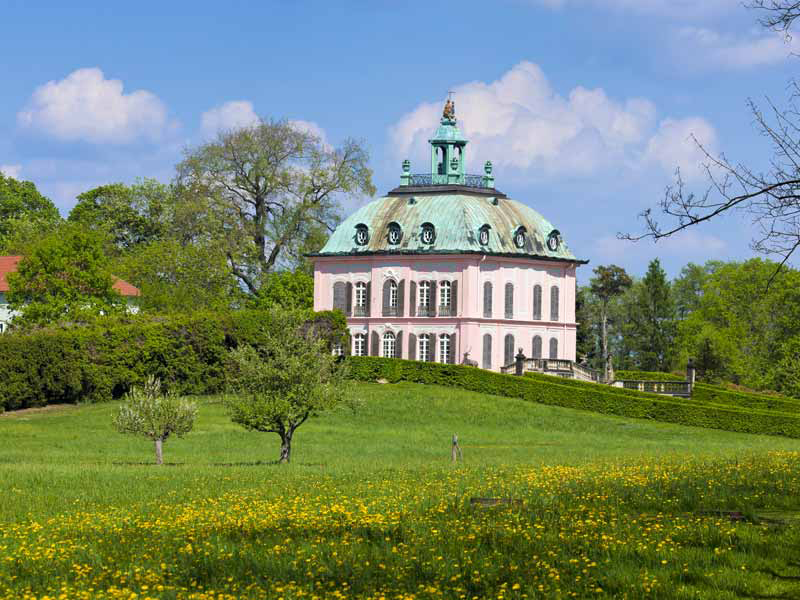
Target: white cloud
x=231, y=115
x=671, y=8
x=11, y=170
x=688, y=245
x=675, y=145
x=521, y=123
x=699, y=46
x=87, y=106
x=313, y=129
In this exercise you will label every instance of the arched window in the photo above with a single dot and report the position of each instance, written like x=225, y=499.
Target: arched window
x=487, y=351
x=445, y=298
x=362, y=234
x=395, y=234
x=360, y=344
x=483, y=235
x=444, y=348
x=391, y=298
x=424, y=298
x=509, y=300
x=487, y=300
x=340, y=296
x=337, y=349
x=508, y=356
x=537, y=302
x=428, y=234
x=554, y=240
x=554, y=303
x=536, y=351
x=361, y=308
x=520, y=237
x=389, y=345
x=424, y=350
x=553, y=348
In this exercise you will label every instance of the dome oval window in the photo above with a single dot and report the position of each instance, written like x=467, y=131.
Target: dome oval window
x=554, y=240
x=520, y=236
x=395, y=234
x=483, y=235
x=428, y=234
x=362, y=234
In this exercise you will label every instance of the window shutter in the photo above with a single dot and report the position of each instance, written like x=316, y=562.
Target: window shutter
x=454, y=298
x=369, y=299
x=386, y=291
x=553, y=348
x=554, y=303
x=375, y=345
x=452, y=358
x=509, y=350
x=412, y=301
x=487, y=300
x=536, y=351
x=487, y=351
x=412, y=347
x=432, y=339
x=537, y=303
x=339, y=296
x=401, y=298
x=349, y=294
x=433, y=299
x=509, y=300
x=398, y=345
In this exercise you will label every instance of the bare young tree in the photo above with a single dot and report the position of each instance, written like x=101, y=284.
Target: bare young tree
x=772, y=196
x=267, y=187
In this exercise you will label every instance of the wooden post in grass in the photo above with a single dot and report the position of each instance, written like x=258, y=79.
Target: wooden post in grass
x=456, y=453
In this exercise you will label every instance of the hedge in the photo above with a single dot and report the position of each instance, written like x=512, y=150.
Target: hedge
x=718, y=395
x=102, y=361
x=648, y=376
x=593, y=398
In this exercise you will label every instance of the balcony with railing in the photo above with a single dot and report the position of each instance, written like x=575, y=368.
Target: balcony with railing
x=446, y=311
x=360, y=311
x=426, y=311
x=430, y=179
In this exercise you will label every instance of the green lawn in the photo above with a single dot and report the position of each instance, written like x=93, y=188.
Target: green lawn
x=603, y=506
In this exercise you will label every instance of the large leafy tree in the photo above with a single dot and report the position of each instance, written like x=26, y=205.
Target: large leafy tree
x=64, y=277
x=608, y=283
x=21, y=202
x=267, y=188
x=652, y=320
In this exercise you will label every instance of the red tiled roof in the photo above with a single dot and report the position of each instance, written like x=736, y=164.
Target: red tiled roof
x=9, y=264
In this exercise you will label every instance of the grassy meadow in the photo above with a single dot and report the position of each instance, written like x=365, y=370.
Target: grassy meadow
x=371, y=507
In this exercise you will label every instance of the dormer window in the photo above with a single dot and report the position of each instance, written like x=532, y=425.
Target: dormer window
x=395, y=234
x=362, y=234
x=554, y=240
x=428, y=234
x=520, y=237
x=483, y=235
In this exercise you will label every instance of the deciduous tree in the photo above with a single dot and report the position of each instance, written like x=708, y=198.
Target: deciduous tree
x=21, y=201
x=608, y=283
x=149, y=412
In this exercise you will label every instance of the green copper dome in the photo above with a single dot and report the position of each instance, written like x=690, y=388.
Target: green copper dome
x=447, y=211
x=457, y=220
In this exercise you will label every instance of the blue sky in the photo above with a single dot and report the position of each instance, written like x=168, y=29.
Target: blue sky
x=584, y=106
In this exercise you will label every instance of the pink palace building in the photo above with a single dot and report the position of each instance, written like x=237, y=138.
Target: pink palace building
x=447, y=268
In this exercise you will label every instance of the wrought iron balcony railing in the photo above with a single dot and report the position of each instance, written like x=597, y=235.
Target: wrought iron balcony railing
x=360, y=311
x=446, y=311
x=426, y=179
x=426, y=311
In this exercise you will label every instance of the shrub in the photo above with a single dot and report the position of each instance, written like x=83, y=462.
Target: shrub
x=648, y=376
x=585, y=396
x=104, y=360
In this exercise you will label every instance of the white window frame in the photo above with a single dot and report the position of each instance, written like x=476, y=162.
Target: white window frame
x=361, y=294
x=423, y=347
x=393, y=294
x=425, y=294
x=389, y=345
x=360, y=344
x=445, y=289
x=444, y=348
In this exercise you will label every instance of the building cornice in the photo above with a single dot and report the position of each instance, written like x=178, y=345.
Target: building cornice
x=444, y=253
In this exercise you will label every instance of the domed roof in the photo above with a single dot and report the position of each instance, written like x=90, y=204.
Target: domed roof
x=457, y=220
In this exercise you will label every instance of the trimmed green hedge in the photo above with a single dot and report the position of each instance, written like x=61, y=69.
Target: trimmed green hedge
x=648, y=376
x=102, y=361
x=718, y=395
x=585, y=397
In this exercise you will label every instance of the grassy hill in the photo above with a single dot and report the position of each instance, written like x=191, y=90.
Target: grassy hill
x=603, y=505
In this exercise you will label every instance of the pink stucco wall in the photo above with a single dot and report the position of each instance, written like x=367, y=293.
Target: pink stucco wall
x=469, y=324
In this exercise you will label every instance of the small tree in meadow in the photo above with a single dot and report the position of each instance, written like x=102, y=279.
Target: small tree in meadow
x=148, y=412
x=292, y=377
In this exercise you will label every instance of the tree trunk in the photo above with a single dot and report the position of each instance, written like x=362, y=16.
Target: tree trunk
x=159, y=458
x=286, y=448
